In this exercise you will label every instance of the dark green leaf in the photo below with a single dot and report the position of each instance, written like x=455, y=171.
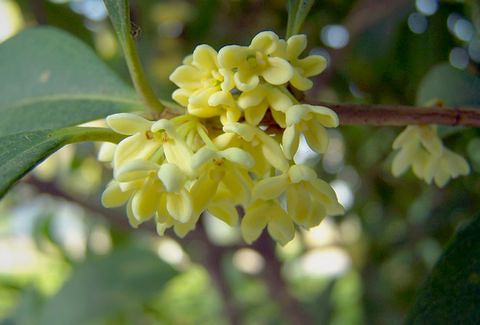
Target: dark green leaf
x=19, y=153
x=51, y=80
x=106, y=285
x=451, y=85
x=451, y=294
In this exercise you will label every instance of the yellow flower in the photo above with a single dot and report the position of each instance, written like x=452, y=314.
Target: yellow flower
x=421, y=148
x=141, y=144
x=309, y=200
x=448, y=165
x=265, y=150
x=309, y=66
x=255, y=103
x=268, y=214
x=204, y=87
x=311, y=121
x=226, y=168
x=255, y=61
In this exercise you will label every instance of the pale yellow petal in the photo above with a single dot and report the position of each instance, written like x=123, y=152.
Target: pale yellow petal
x=280, y=225
x=225, y=212
x=300, y=82
x=137, y=146
x=273, y=152
x=113, y=196
x=265, y=42
x=299, y=204
x=180, y=206
x=254, y=221
x=238, y=156
x=316, y=136
x=290, y=141
x=186, y=76
x=134, y=170
x=312, y=65
x=270, y=188
x=278, y=71
x=205, y=57
x=299, y=173
x=252, y=97
x=255, y=114
x=245, y=79
x=296, y=44
x=128, y=124
x=106, y=152
x=144, y=202
x=172, y=177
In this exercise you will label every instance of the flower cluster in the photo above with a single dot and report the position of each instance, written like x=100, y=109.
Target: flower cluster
x=220, y=156
x=421, y=149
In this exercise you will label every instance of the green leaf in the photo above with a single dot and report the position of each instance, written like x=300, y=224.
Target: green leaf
x=297, y=12
x=451, y=294
x=451, y=85
x=51, y=80
x=19, y=153
x=106, y=285
x=119, y=13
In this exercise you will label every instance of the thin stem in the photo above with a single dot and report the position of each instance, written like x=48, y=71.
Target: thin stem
x=83, y=134
x=119, y=14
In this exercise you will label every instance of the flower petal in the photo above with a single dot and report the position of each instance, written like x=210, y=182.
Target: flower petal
x=280, y=226
x=278, y=71
x=270, y=188
x=113, y=196
x=128, y=124
x=296, y=44
x=180, y=206
x=254, y=221
x=290, y=141
x=172, y=177
x=316, y=136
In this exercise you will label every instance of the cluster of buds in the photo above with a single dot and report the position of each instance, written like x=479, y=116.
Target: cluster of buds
x=421, y=149
x=220, y=156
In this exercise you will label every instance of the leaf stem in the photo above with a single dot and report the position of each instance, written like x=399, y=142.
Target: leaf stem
x=119, y=13
x=297, y=12
x=83, y=134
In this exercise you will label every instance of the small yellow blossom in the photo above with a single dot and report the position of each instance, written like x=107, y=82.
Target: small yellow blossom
x=421, y=149
x=205, y=88
x=255, y=61
x=309, y=66
x=309, y=200
x=311, y=121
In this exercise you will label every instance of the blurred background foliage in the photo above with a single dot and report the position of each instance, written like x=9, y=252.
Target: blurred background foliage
x=66, y=260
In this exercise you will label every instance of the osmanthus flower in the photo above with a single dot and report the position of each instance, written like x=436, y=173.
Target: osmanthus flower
x=205, y=88
x=255, y=61
x=421, y=149
x=309, y=200
x=311, y=121
x=309, y=66
x=256, y=102
x=220, y=156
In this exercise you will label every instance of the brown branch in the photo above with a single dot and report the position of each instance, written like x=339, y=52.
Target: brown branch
x=396, y=115
x=211, y=257
x=399, y=115
x=292, y=310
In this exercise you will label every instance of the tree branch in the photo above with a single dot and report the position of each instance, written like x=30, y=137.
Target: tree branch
x=399, y=115
x=292, y=310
